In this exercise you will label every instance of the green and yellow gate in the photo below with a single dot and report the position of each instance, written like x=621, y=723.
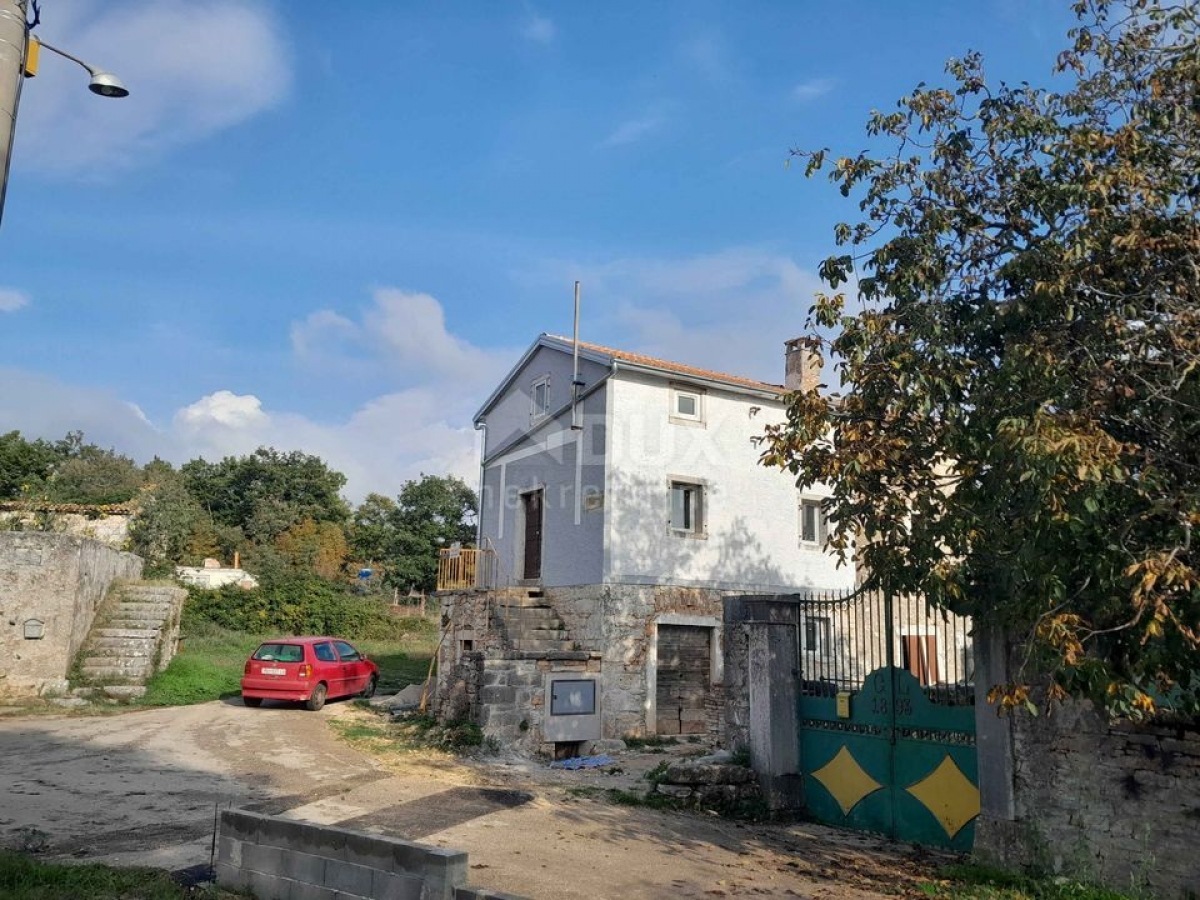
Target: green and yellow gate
x=887, y=718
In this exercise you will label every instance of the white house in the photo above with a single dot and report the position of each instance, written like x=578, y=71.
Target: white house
x=647, y=475
x=627, y=502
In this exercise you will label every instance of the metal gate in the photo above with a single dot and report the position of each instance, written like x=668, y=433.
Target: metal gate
x=887, y=717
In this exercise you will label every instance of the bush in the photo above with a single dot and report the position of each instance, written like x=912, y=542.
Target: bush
x=295, y=604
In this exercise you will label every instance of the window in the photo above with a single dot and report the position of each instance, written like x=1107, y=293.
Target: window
x=687, y=508
x=539, y=398
x=816, y=634
x=280, y=653
x=345, y=651
x=325, y=652
x=813, y=528
x=687, y=405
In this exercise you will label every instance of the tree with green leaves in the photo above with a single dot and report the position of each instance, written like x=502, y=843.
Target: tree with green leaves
x=23, y=463
x=403, y=537
x=1019, y=432
x=267, y=492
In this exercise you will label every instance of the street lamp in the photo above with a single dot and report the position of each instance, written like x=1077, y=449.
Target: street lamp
x=18, y=60
x=103, y=83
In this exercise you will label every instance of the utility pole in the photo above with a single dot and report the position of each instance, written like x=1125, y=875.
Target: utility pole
x=14, y=39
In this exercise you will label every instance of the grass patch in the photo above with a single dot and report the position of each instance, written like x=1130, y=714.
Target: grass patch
x=652, y=742
x=976, y=882
x=25, y=878
x=210, y=664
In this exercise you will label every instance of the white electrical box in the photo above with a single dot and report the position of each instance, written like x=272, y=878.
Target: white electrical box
x=572, y=709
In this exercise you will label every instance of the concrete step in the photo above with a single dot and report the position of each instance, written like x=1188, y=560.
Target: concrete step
x=130, y=625
x=533, y=645
x=117, y=631
x=141, y=650
x=112, y=643
x=538, y=634
x=522, y=601
x=142, y=610
x=92, y=670
x=528, y=613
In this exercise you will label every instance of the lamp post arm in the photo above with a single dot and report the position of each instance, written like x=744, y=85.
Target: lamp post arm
x=92, y=70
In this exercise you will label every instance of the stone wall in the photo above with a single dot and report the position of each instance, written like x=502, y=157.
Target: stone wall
x=111, y=529
x=274, y=857
x=620, y=622
x=1113, y=803
x=58, y=581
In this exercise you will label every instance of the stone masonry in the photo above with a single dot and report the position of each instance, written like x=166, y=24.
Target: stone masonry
x=1108, y=802
x=51, y=586
x=608, y=630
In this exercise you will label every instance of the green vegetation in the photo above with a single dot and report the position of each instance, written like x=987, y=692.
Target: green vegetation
x=209, y=665
x=1016, y=436
x=26, y=878
x=653, y=743
x=975, y=882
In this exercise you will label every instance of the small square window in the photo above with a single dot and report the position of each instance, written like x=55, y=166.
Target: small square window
x=687, y=507
x=687, y=405
x=539, y=397
x=813, y=527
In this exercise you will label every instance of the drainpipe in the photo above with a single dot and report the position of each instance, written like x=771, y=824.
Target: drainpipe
x=576, y=384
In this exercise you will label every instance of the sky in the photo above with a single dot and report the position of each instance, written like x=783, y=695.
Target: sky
x=335, y=227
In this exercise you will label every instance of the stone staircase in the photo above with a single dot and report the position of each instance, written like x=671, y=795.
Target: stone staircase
x=529, y=623
x=135, y=635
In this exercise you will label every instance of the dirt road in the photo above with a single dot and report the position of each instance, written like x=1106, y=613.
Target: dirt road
x=140, y=787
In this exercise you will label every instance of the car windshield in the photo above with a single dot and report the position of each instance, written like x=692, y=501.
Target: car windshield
x=279, y=653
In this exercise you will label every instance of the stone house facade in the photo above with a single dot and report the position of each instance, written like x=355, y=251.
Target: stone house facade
x=621, y=501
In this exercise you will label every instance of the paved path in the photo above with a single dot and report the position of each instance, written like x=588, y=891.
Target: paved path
x=141, y=787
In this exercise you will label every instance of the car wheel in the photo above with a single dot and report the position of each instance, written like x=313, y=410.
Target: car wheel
x=253, y=702
x=317, y=700
x=369, y=690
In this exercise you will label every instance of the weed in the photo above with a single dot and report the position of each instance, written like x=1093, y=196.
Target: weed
x=740, y=757
x=651, y=742
x=23, y=878
x=659, y=773
x=976, y=882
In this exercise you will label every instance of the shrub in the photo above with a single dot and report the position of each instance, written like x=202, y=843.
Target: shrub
x=295, y=604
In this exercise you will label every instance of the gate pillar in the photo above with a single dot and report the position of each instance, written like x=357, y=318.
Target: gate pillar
x=773, y=660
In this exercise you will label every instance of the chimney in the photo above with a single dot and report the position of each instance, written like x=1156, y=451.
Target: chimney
x=803, y=362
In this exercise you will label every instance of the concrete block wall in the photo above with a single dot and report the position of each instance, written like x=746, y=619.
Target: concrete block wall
x=58, y=580
x=282, y=859
x=1108, y=802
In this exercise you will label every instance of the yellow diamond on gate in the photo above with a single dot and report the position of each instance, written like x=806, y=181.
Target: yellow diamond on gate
x=846, y=780
x=949, y=795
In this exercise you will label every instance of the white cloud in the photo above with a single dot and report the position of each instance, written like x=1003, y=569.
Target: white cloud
x=11, y=300
x=631, y=131
x=403, y=332
x=222, y=409
x=813, y=88
x=431, y=382
x=539, y=29
x=192, y=69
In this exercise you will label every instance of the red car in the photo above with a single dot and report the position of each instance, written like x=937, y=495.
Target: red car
x=307, y=669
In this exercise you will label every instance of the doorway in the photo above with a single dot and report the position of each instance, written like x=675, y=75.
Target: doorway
x=532, y=505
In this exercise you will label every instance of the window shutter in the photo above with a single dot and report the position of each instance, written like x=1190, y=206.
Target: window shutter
x=824, y=525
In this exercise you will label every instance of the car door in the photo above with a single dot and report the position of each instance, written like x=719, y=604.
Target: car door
x=330, y=668
x=353, y=666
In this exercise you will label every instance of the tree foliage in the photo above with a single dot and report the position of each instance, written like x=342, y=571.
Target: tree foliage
x=1019, y=434
x=267, y=492
x=403, y=536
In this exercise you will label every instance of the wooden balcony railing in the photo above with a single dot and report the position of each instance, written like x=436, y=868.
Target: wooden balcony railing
x=466, y=569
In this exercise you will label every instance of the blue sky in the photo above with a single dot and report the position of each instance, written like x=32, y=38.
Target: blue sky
x=334, y=227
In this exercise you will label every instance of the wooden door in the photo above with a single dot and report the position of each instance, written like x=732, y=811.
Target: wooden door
x=682, y=688
x=532, y=565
